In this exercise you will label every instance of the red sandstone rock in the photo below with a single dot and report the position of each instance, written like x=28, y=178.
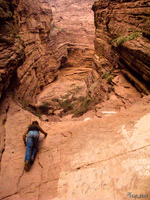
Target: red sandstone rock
x=11, y=46
x=106, y=157
x=118, y=22
x=75, y=19
x=104, y=153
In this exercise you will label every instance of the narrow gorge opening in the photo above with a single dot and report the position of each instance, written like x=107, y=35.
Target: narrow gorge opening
x=77, y=76
x=73, y=32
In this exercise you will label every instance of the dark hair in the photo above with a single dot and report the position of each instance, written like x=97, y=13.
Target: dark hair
x=35, y=123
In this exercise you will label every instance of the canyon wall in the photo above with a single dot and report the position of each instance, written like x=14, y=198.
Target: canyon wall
x=41, y=50
x=103, y=154
x=30, y=51
x=40, y=43
x=75, y=18
x=122, y=38
x=12, y=53
x=33, y=47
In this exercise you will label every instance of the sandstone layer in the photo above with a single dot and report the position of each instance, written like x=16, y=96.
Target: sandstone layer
x=44, y=53
x=40, y=66
x=12, y=47
x=105, y=158
x=73, y=25
x=46, y=47
x=104, y=154
x=76, y=20
x=122, y=36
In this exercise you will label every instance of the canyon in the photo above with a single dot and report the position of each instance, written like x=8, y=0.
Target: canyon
x=82, y=70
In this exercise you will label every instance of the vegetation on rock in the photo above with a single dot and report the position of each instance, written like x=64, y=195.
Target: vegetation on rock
x=123, y=39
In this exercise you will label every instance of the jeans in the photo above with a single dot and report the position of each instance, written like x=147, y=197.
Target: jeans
x=32, y=141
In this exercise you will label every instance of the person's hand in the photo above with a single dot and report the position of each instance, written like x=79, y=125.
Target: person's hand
x=45, y=134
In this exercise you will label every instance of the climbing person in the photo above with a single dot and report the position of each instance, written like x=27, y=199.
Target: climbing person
x=30, y=138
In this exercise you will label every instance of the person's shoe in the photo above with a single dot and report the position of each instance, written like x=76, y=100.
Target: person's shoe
x=26, y=165
x=32, y=160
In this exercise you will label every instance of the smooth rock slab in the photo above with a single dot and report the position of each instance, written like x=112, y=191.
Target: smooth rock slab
x=106, y=158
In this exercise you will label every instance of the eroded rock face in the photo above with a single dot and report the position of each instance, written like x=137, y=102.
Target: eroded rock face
x=70, y=88
x=103, y=154
x=46, y=50
x=41, y=64
x=11, y=46
x=122, y=36
x=75, y=19
x=48, y=46
x=25, y=55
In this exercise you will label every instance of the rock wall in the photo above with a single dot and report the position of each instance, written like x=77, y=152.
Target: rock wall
x=75, y=18
x=48, y=46
x=11, y=46
x=41, y=49
x=45, y=42
x=122, y=38
x=31, y=51
x=102, y=155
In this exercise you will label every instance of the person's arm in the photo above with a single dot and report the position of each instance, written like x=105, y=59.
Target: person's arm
x=40, y=129
x=24, y=136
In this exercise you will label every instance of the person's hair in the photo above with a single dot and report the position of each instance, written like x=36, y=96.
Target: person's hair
x=35, y=123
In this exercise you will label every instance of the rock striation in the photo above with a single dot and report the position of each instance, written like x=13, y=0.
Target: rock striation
x=12, y=53
x=76, y=20
x=122, y=36
x=31, y=51
x=46, y=48
x=41, y=63
x=104, y=154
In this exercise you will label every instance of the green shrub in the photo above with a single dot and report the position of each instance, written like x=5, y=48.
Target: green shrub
x=133, y=36
x=55, y=99
x=105, y=75
x=120, y=40
x=148, y=22
x=66, y=105
x=65, y=96
x=73, y=92
x=123, y=39
x=84, y=107
x=109, y=79
x=18, y=36
x=44, y=108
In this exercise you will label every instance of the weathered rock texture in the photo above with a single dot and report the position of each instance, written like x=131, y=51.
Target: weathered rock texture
x=70, y=87
x=76, y=20
x=31, y=51
x=122, y=36
x=46, y=53
x=103, y=158
x=48, y=47
x=41, y=64
x=11, y=46
x=105, y=153
x=73, y=27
